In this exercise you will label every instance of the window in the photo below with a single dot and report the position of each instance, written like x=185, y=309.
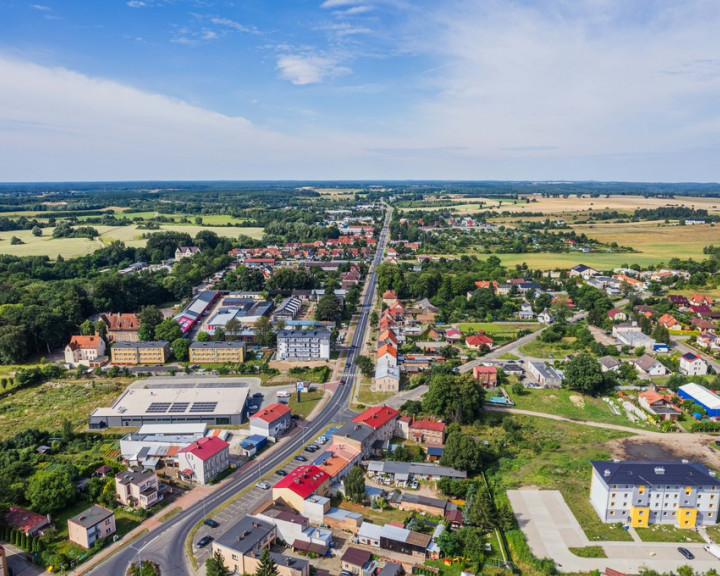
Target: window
x=641, y=490
x=613, y=495
x=612, y=504
x=612, y=512
x=234, y=556
x=688, y=490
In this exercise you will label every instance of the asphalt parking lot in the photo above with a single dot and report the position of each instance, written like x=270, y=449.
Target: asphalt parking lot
x=551, y=528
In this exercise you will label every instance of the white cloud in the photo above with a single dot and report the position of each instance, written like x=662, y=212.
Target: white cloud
x=137, y=4
x=234, y=25
x=56, y=124
x=41, y=7
x=339, y=3
x=309, y=69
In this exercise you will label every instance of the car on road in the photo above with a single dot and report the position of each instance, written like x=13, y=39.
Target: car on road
x=263, y=485
x=342, y=381
x=210, y=522
x=300, y=458
x=281, y=472
x=685, y=552
x=204, y=541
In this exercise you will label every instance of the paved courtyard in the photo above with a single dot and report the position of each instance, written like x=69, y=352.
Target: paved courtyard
x=551, y=528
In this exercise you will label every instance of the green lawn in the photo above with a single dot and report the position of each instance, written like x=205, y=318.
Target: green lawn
x=667, y=533
x=539, y=349
x=589, y=552
x=507, y=329
x=308, y=401
x=570, y=404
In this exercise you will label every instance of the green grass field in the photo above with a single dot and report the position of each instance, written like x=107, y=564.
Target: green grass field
x=570, y=404
x=46, y=245
x=539, y=349
x=308, y=401
x=667, y=533
x=46, y=406
x=502, y=329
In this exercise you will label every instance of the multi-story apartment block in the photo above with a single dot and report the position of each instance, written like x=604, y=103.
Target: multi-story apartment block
x=136, y=488
x=93, y=524
x=217, y=352
x=303, y=345
x=134, y=353
x=641, y=493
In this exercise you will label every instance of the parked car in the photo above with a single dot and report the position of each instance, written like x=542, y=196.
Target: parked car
x=281, y=472
x=204, y=541
x=210, y=522
x=257, y=395
x=263, y=485
x=685, y=552
x=311, y=448
x=300, y=458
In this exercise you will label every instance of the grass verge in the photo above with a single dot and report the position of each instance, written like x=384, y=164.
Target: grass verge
x=589, y=552
x=667, y=533
x=170, y=514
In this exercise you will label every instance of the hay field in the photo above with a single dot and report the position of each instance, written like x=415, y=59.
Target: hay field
x=615, y=202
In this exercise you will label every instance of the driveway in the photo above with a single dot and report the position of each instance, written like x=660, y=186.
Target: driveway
x=551, y=528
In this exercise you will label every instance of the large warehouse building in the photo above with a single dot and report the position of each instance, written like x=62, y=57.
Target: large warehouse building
x=701, y=396
x=175, y=400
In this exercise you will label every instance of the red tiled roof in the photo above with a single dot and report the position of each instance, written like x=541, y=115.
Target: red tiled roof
x=389, y=294
x=304, y=480
x=116, y=322
x=485, y=370
x=25, y=520
x=85, y=342
x=428, y=425
x=205, y=448
x=387, y=349
x=272, y=412
x=478, y=340
x=377, y=416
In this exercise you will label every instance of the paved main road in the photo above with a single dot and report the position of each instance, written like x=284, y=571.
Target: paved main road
x=166, y=543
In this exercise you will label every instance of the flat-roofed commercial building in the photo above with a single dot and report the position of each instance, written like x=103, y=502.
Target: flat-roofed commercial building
x=217, y=352
x=176, y=400
x=134, y=353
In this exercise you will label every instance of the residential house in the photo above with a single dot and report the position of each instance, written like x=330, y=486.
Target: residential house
x=702, y=324
x=387, y=355
x=297, y=345
x=583, y=271
x=427, y=431
x=525, y=312
x=424, y=311
x=204, y=459
x=617, y=315
x=609, y=364
x=125, y=353
x=138, y=488
x=634, y=283
x=649, y=366
x=243, y=544
x=546, y=317
x=186, y=252
x=404, y=541
x=669, y=322
x=387, y=336
x=679, y=300
x=645, y=310
x=693, y=365
x=300, y=484
x=354, y=560
x=387, y=379
x=453, y=335
x=659, y=405
x=232, y=352
x=396, y=310
x=478, y=341
x=369, y=534
x=708, y=340
x=91, y=525
x=486, y=284
x=487, y=376
x=122, y=327
x=704, y=311
x=271, y=421
x=27, y=521
x=369, y=430
x=643, y=493
x=545, y=375
x=700, y=300
x=85, y=350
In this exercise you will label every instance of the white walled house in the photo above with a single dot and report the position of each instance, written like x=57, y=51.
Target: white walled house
x=692, y=365
x=204, y=459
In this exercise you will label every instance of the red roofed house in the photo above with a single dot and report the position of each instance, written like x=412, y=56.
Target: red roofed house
x=453, y=335
x=378, y=417
x=427, y=431
x=658, y=404
x=617, y=314
x=204, y=459
x=669, y=322
x=387, y=355
x=122, y=327
x=699, y=299
x=389, y=296
x=486, y=376
x=702, y=324
x=396, y=310
x=387, y=336
x=300, y=484
x=28, y=522
x=487, y=284
x=271, y=421
x=355, y=559
x=477, y=341
x=85, y=350
x=678, y=299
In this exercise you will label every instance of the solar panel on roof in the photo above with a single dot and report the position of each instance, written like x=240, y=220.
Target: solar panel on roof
x=179, y=407
x=203, y=406
x=158, y=407
x=222, y=385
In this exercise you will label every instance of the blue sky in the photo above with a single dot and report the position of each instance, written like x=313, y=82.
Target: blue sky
x=360, y=89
